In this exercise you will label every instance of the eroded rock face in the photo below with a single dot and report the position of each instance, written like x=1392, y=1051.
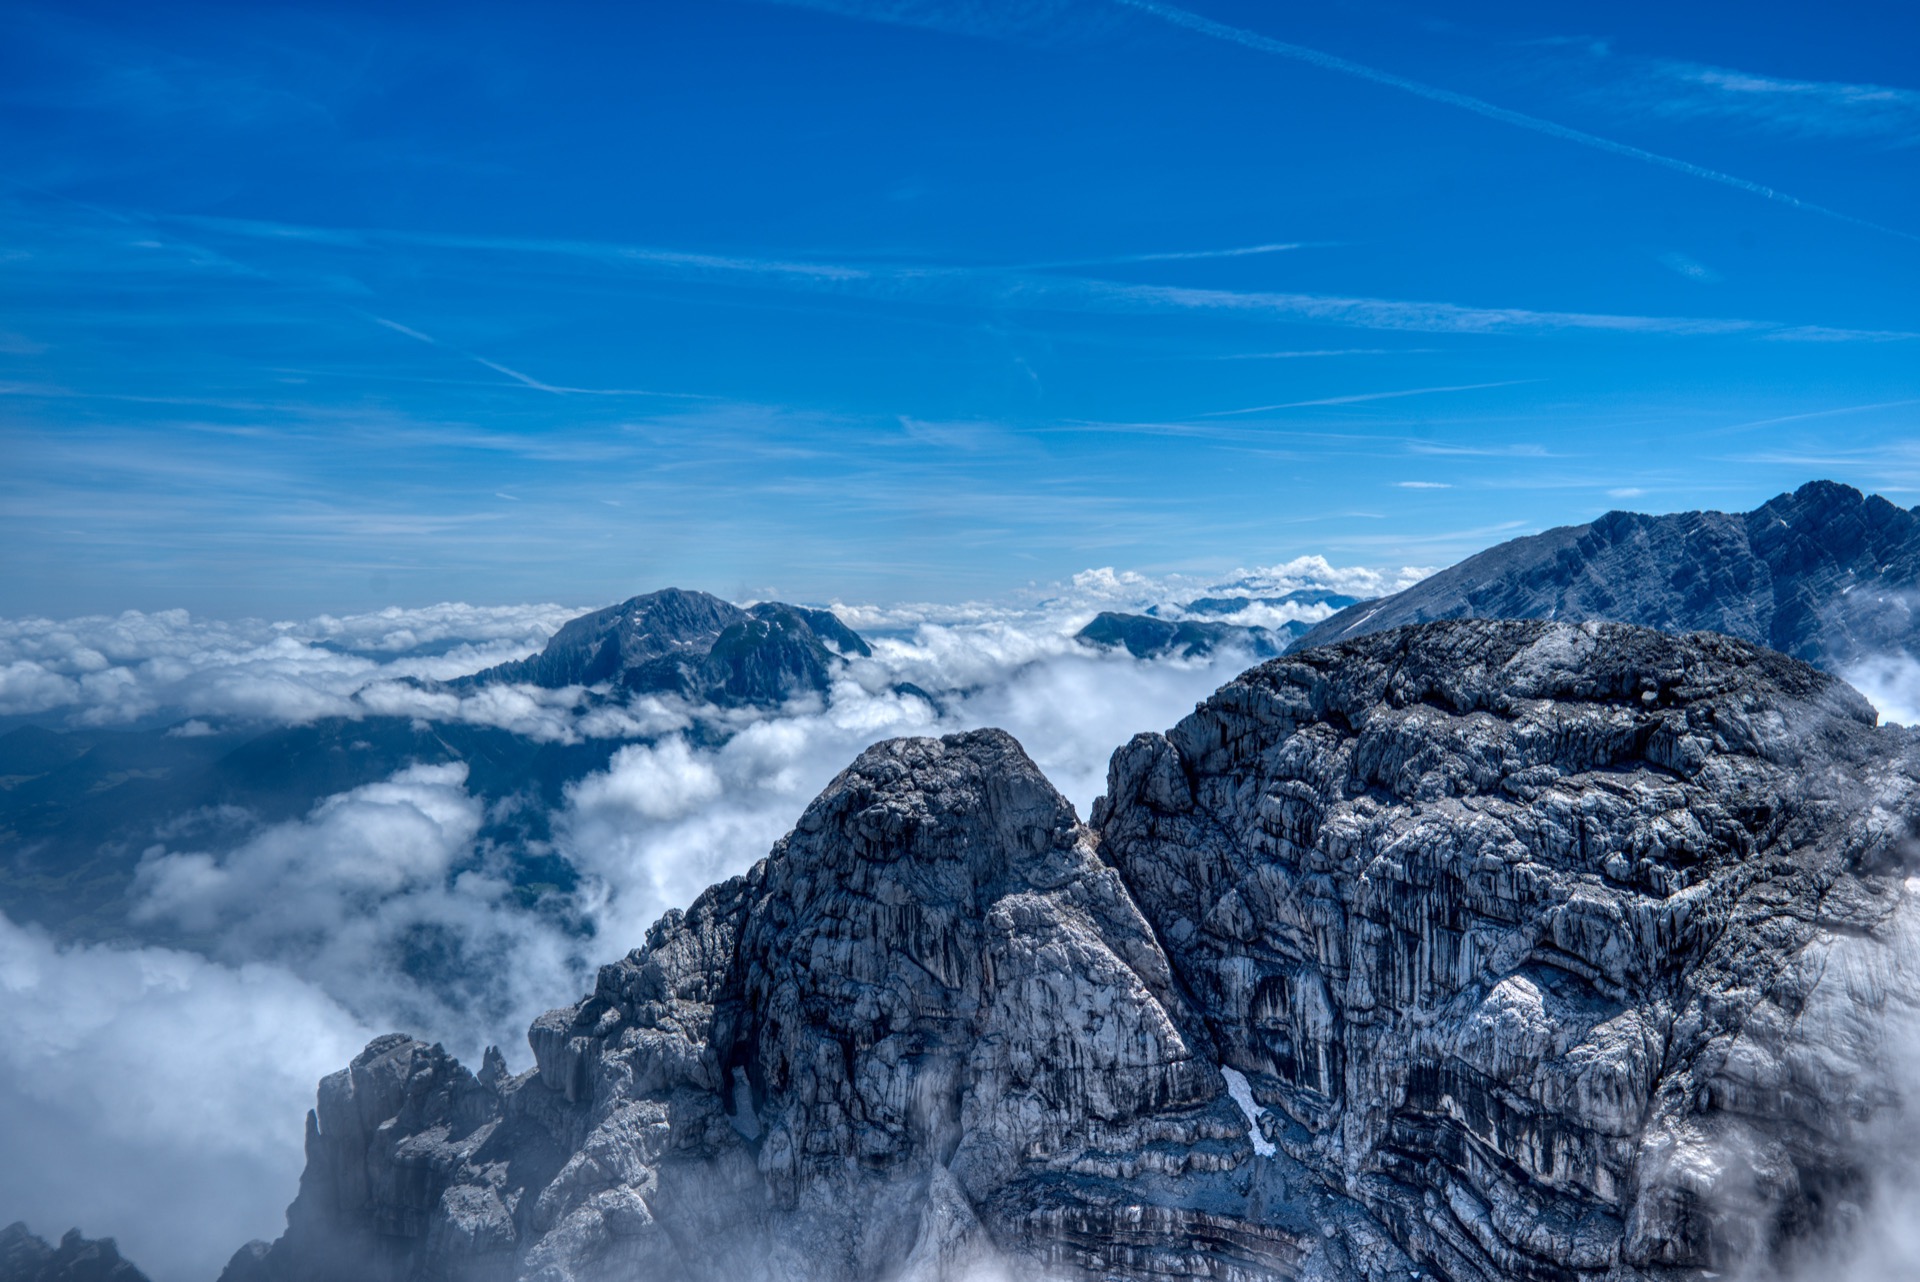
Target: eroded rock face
x=1470, y=951
x=929, y=1026
x=1565, y=951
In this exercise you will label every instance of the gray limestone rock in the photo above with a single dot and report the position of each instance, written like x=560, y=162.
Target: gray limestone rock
x=1472, y=951
x=1567, y=952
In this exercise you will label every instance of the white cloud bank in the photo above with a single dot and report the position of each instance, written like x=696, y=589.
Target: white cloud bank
x=1891, y=683
x=104, y=671
x=157, y=1094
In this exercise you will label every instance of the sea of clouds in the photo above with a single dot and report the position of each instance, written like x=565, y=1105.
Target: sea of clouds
x=159, y=1092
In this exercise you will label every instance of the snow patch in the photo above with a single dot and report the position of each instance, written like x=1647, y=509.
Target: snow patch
x=1242, y=1092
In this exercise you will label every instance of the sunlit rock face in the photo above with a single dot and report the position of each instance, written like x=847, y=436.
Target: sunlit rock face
x=1529, y=950
x=1565, y=951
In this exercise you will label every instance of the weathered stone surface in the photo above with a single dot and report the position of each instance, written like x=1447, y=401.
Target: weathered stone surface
x=26, y=1258
x=1566, y=951
x=1824, y=574
x=1534, y=951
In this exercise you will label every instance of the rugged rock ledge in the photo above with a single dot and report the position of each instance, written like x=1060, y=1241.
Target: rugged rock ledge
x=1534, y=951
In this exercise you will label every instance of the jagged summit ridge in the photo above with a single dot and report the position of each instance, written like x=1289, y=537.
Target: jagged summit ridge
x=1825, y=574
x=1510, y=934
x=930, y=1022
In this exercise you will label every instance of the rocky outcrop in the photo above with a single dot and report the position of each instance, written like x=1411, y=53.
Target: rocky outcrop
x=1824, y=574
x=1474, y=951
x=930, y=1026
x=1146, y=637
x=1565, y=951
x=694, y=645
x=26, y=1258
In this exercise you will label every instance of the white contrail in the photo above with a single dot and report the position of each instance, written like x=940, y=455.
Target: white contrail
x=1300, y=53
x=1367, y=396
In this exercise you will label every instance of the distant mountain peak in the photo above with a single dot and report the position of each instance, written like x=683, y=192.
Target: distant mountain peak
x=1825, y=574
x=676, y=641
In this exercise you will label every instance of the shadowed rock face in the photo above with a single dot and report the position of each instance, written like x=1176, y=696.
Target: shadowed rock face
x=26, y=1258
x=1824, y=574
x=1531, y=951
x=691, y=644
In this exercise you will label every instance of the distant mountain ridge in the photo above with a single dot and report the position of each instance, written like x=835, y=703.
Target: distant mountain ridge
x=1202, y=626
x=1145, y=637
x=1825, y=574
x=78, y=807
x=693, y=644
x=27, y=1258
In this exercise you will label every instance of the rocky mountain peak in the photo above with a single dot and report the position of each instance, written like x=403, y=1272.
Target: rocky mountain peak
x=1825, y=574
x=1470, y=950
x=691, y=644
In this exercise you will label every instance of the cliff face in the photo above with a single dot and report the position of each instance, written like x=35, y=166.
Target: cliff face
x=1475, y=951
x=1543, y=943
x=1824, y=574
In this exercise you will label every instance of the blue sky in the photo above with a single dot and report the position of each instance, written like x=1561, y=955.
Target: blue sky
x=312, y=308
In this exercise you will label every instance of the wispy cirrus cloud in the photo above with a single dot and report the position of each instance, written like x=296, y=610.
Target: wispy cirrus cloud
x=1030, y=288
x=525, y=380
x=1205, y=26
x=1359, y=397
x=1826, y=413
x=1171, y=256
x=1025, y=21
x=1691, y=268
x=1782, y=106
x=1319, y=352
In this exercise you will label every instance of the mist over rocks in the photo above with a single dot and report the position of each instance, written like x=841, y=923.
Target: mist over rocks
x=1825, y=574
x=1261, y=626
x=1538, y=951
x=26, y=1258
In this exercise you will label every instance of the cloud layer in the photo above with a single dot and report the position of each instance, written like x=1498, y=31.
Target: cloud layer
x=158, y=1091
